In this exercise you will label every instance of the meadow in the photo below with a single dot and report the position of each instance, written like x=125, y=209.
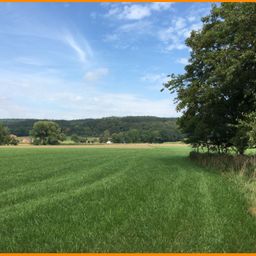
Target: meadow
x=127, y=199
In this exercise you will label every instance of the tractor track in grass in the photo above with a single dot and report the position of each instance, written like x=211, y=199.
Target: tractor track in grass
x=119, y=200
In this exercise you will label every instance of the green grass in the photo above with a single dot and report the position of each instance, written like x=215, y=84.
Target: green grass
x=118, y=200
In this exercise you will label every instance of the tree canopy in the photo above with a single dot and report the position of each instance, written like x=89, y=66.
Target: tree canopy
x=218, y=87
x=46, y=133
x=4, y=135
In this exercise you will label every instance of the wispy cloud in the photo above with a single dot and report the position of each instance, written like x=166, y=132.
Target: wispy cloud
x=83, y=51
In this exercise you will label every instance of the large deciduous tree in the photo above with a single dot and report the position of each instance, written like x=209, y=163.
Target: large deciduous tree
x=46, y=133
x=218, y=87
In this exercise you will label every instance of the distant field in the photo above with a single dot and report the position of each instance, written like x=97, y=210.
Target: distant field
x=137, y=198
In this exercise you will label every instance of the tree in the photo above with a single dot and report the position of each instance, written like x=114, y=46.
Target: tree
x=105, y=137
x=46, y=133
x=4, y=135
x=219, y=83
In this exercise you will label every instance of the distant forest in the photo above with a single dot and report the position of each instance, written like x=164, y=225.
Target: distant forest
x=121, y=129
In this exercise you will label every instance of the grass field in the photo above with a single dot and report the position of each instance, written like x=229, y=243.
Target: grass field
x=148, y=199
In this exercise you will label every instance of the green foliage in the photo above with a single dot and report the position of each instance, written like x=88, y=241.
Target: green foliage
x=13, y=140
x=148, y=136
x=4, y=135
x=6, y=138
x=240, y=139
x=145, y=125
x=219, y=83
x=249, y=125
x=46, y=133
x=78, y=139
x=105, y=136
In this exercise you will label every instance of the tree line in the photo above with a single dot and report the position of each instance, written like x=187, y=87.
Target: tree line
x=115, y=129
x=96, y=127
x=217, y=92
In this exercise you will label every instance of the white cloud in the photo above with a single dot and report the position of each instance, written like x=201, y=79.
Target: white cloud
x=129, y=11
x=155, y=81
x=134, y=12
x=96, y=74
x=155, y=78
x=83, y=49
x=9, y=108
x=192, y=18
x=46, y=96
x=171, y=33
x=183, y=61
x=161, y=6
x=174, y=35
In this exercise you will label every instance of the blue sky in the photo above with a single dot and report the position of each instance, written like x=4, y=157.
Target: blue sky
x=80, y=60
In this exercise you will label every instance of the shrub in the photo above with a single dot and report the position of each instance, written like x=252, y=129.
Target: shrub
x=78, y=139
x=244, y=164
x=13, y=140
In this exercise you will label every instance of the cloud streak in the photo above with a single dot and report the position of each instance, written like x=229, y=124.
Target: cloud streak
x=83, y=52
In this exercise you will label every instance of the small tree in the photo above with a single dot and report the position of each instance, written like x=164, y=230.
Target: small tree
x=46, y=133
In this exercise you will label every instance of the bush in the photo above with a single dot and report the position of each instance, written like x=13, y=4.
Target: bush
x=13, y=140
x=78, y=139
x=243, y=164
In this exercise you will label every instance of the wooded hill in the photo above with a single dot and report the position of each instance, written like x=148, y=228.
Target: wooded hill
x=166, y=128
